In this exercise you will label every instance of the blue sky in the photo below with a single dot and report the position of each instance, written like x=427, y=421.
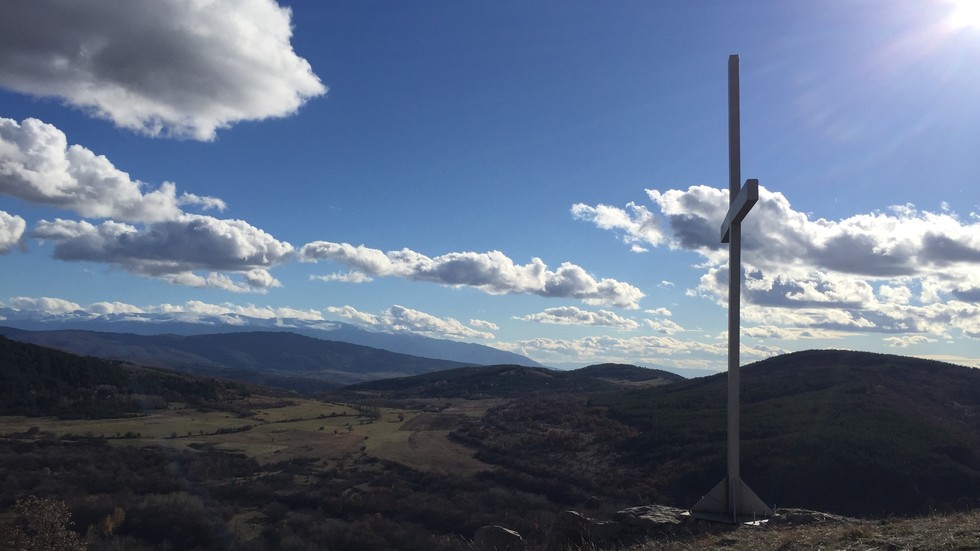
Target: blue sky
x=543, y=177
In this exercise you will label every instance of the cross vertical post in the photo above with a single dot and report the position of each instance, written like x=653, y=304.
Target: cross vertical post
x=732, y=500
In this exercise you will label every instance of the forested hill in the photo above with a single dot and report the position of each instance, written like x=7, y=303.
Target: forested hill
x=275, y=358
x=845, y=432
x=626, y=372
x=35, y=380
x=850, y=432
x=511, y=381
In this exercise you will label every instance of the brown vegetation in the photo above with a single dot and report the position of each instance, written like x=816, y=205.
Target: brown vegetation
x=952, y=532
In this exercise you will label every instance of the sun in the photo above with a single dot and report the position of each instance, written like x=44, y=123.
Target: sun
x=965, y=13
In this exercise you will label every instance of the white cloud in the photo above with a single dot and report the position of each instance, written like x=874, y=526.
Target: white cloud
x=491, y=272
x=905, y=341
x=190, y=311
x=897, y=294
x=11, y=231
x=855, y=274
x=174, y=250
x=643, y=350
x=483, y=324
x=182, y=68
x=666, y=327
x=104, y=308
x=250, y=310
x=401, y=319
x=570, y=315
x=355, y=315
x=38, y=165
x=45, y=304
x=346, y=277
x=791, y=333
x=636, y=223
x=659, y=312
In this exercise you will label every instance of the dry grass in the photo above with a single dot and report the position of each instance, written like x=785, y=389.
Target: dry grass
x=283, y=430
x=954, y=532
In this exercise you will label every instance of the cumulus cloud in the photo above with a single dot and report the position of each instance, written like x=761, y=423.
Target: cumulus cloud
x=147, y=231
x=665, y=327
x=648, y=350
x=855, y=274
x=491, y=272
x=905, y=341
x=191, y=310
x=570, y=315
x=11, y=231
x=179, y=68
x=38, y=165
x=249, y=310
x=346, y=277
x=45, y=304
x=483, y=324
x=174, y=250
x=636, y=223
x=105, y=308
x=790, y=333
x=401, y=319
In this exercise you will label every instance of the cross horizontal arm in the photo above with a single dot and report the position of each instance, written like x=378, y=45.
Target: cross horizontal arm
x=740, y=206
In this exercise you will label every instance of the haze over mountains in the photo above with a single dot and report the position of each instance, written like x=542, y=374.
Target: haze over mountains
x=145, y=323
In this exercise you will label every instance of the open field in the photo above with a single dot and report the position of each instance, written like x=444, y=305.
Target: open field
x=280, y=430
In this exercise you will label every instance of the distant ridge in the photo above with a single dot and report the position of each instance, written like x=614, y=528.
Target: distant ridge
x=626, y=372
x=198, y=324
x=275, y=358
x=508, y=381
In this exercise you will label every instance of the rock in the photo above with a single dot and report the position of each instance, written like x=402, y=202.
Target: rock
x=572, y=530
x=497, y=538
x=654, y=519
x=798, y=517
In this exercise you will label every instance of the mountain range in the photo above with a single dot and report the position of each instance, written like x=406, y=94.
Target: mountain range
x=281, y=359
x=187, y=324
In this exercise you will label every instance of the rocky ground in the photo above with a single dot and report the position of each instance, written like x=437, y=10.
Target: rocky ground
x=658, y=528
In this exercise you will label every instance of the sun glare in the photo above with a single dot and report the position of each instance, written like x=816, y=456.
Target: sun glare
x=965, y=13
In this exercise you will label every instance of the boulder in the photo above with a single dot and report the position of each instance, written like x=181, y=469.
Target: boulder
x=654, y=519
x=497, y=538
x=572, y=530
x=799, y=517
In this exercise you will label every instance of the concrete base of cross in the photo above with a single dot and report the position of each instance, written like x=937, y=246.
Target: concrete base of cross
x=717, y=505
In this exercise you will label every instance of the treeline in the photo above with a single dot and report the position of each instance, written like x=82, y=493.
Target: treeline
x=36, y=381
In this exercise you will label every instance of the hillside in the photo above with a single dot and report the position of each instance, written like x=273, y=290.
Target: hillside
x=860, y=434
x=511, y=381
x=625, y=374
x=275, y=358
x=846, y=432
x=38, y=381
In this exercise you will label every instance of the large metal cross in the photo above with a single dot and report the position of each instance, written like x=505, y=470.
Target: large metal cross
x=732, y=500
